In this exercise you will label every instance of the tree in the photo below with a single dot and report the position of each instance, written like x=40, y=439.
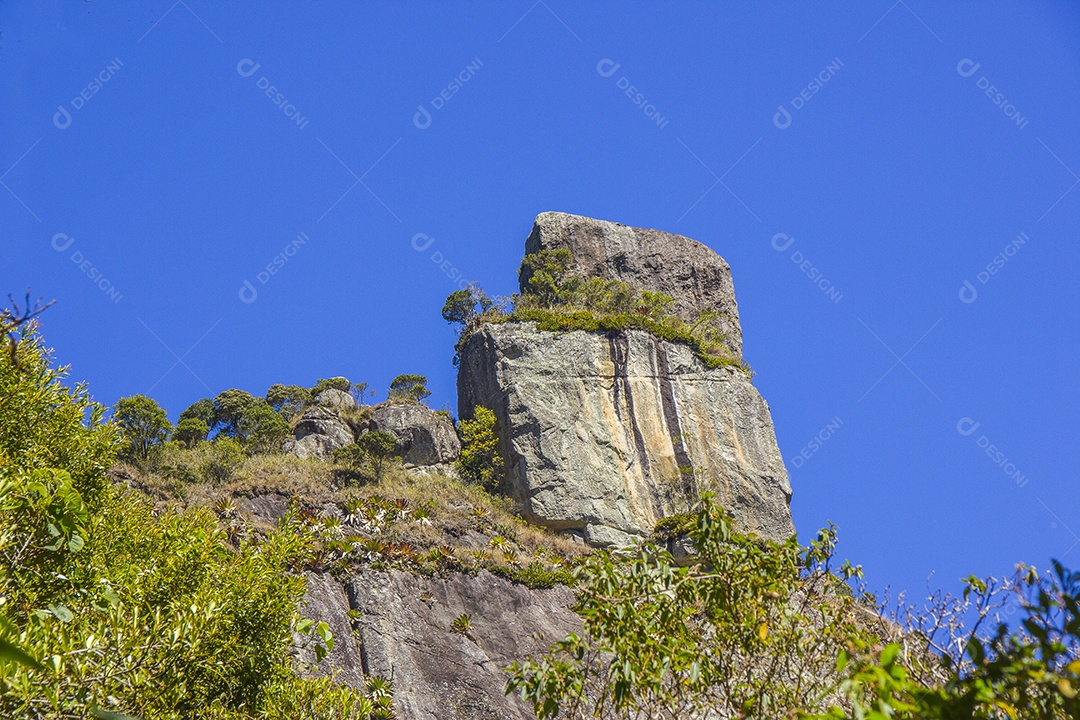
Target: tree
x=262, y=429
x=288, y=399
x=408, y=388
x=480, y=461
x=229, y=407
x=191, y=431
x=379, y=448
x=199, y=410
x=143, y=424
x=334, y=383
x=465, y=306
x=546, y=275
x=358, y=391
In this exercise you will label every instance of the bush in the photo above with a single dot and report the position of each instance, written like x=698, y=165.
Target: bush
x=288, y=399
x=226, y=455
x=229, y=407
x=408, y=388
x=379, y=448
x=334, y=383
x=480, y=462
x=109, y=607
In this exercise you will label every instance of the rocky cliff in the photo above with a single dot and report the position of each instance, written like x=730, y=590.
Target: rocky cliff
x=600, y=430
x=597, y=428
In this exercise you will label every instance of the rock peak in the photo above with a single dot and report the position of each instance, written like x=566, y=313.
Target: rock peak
x=693, y=274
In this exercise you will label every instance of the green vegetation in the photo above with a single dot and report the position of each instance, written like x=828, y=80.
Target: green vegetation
x=335, y=383
x=366, y=459
x=143, y=425
x=480, y=461
x=559, y=301
x=408, y=388
x=764, y=630
x=289, y=400
x=261, y=428
x=112, y=607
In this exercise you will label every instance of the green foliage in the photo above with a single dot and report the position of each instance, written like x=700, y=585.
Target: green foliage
x=378, y=447
x=225, y=457
x=199, y=410
x=408, y=388
x=359, y=390
x=191, y=431
x=262, y=429
x=536, y=575
x=462, y=624
x=722, y=635
x=334, y=383
x=288, y=399
x=143, y=425
x=112, y=608
x=546, y=276
x=229, y=407
x=480, y=462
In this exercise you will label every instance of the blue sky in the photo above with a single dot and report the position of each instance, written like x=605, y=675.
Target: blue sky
x=856, y=163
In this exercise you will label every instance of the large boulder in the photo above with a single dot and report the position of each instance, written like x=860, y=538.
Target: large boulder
x=597, y=428
x=334, y=398
x=319, y=432
x=691, y=273
x=425, y=438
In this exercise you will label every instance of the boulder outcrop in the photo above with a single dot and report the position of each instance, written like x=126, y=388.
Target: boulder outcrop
x=425, y=437
x=597, y=428
x=691, y=273
x=319, y=432
x=334, y=398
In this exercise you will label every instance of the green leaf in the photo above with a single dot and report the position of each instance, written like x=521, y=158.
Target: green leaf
x=100, y=714
x=13, y=653
x=61, y=613
x=303, y=625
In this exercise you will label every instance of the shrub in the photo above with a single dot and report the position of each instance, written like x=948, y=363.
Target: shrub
x=334, y=383
x=480, y=462
x=229, y=407
x=379, y=448
x=408, y=388
x=225, y=457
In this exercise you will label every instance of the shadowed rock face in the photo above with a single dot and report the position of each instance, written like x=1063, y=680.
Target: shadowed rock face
x=403, y=631
x=425, y=437
x=594, y=426
x=691, y=273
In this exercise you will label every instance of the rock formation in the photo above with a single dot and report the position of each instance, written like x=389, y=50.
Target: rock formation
x=319, y=432
x=425, y=438
x=596, y=428
x=691, y=273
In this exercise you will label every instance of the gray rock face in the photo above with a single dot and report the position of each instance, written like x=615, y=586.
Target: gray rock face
x=691, y=273
x=595, y=426
x=403, y=632
x=334, y=398
x=424, y=437
x=319, y=432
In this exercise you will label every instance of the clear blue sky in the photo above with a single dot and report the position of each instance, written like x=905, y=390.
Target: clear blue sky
x=139, y=139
